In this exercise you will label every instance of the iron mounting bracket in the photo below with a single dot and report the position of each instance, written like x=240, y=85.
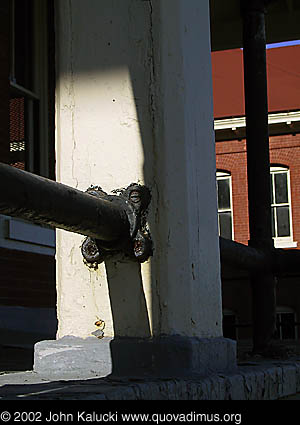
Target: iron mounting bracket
x=137, y=244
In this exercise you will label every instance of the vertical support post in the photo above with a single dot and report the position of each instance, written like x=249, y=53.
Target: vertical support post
x=258, y=164
x=119, y=121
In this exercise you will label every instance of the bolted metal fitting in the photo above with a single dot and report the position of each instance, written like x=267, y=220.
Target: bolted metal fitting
x=137, y=243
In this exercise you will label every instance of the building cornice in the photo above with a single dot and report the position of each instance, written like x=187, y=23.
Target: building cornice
x=277, y=118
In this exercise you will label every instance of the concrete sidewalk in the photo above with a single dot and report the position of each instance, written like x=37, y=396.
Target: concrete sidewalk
x=256, y=380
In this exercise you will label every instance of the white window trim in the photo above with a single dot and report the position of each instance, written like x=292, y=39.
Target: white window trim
x=41, y=81
x=20, y=230
x=285, y=241
x=222, y=175
x=40, y=84
x=14, y=233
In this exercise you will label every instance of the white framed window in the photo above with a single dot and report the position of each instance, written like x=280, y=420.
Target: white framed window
x=282, y=229
x=286, y=327
x=30, y=145
x=225, y=215
x=29, y=90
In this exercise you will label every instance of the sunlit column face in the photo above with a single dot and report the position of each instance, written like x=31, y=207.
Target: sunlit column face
x=103, y=132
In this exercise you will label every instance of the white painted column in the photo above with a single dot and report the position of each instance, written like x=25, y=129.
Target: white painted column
x=103, y=52
x=186, y=265
x=134, y=104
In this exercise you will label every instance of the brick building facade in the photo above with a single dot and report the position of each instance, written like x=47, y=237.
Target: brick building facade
x=231, y=157
x=231, y=162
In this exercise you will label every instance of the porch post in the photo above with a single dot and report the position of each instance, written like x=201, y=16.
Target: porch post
x=134, y=105
x=258, y=167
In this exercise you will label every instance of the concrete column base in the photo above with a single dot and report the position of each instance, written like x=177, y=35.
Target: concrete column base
x=164, y=356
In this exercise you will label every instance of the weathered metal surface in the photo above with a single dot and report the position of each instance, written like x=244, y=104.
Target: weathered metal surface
x=257, y=136
x=134, y=200
x=258, y=167
x=115, y=222
x=243, y=257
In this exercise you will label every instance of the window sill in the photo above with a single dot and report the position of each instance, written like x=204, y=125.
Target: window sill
x=281, y=243
x=19, y=235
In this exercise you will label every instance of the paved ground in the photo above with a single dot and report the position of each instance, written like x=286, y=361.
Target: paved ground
x=18, y=381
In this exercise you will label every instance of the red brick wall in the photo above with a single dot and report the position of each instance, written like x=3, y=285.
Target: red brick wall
x=231, y=157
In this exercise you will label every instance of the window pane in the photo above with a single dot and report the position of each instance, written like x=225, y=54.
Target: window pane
x=225, y=223
x=281, y=189
x=288, y=326
x=271, y=186
x=223, y=194
x=283, y=221
x=273, y=221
